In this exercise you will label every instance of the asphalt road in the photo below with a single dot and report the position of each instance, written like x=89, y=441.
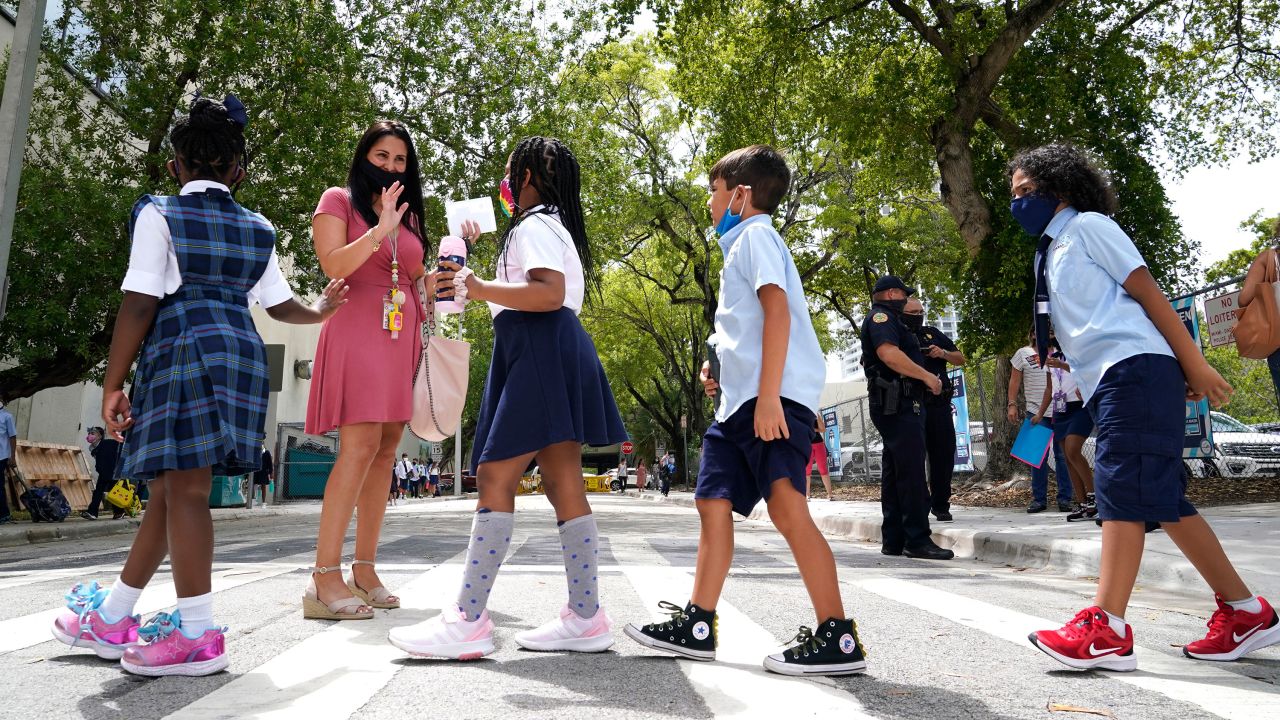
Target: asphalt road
x=944, y=640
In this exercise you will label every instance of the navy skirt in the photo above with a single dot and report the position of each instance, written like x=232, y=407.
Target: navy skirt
x=545, y=386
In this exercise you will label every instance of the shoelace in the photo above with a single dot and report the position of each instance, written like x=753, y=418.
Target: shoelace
x=1079, y=624
x=677, y=613
x=1221, y=620
x=84, y=597
x=160, y=627
x=808, y=642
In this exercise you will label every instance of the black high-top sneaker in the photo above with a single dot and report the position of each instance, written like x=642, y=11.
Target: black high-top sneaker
x=1086, y=510
x=834, y=649
x=690, y=632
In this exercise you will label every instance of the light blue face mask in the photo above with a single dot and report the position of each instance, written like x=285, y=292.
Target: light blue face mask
x=730, y=220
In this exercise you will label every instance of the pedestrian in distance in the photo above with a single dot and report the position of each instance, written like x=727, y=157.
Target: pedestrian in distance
x=105, y=452
x=8, y=449
x=818, y=457
x=197, y=405
x=1136, y=366
x=1072, y=426
x=1032, y=376
x=642, y=477
x=370, y=233
x=899, y=384
x=264, y=475
x=771, y=376
x=939, y=352
x=543, y=365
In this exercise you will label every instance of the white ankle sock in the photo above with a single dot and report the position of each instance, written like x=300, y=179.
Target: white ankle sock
x=1118, y=625
x=1250, y=604
x=119, y=602
x=197, y=614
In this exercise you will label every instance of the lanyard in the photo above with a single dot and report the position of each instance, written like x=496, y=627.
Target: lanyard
x=392, y=318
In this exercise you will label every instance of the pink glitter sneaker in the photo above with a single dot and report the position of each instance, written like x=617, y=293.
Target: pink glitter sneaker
x=82, y=624
x=168, y=652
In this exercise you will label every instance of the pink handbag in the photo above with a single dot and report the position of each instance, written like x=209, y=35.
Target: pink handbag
x=440, y=386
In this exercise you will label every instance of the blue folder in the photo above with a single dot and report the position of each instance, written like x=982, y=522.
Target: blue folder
x=1032, y=443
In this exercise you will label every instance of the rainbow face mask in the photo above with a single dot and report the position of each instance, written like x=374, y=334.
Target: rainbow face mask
x=505, y=198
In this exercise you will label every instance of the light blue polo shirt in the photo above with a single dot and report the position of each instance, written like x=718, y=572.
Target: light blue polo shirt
x=7, y=430
x=755, y=256
x=1098, y=324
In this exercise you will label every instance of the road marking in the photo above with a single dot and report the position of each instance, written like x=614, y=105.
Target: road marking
x=1217, y=691
x=736, y=684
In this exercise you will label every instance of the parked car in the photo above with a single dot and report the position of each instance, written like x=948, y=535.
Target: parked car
x=853, y=464
x=1238, y=451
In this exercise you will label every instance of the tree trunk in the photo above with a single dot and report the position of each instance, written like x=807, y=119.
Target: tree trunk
x=959, y=186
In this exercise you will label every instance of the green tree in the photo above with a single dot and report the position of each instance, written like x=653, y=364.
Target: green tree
x=1266, y=233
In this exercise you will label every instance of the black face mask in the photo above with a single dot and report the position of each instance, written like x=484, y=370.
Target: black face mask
x=897, y=306
x=380, y=178
x=913, y=322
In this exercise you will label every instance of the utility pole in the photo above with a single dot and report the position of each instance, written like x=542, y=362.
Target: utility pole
x=15, y=114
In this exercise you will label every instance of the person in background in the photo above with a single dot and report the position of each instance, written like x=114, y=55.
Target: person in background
x=817, y=456
x=1254, y=279
x=642, y=476
x=1029, y=373
x=265, y=474
x=8, y=449
x=105, y=452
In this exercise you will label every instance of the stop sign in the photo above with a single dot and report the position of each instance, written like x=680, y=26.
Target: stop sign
x=628, y=447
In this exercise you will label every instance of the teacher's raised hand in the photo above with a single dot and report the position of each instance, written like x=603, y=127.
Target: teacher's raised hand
x=390, y=214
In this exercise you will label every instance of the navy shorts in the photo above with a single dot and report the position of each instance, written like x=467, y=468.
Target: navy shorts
x=739, y=467
x=1140, y=412
x=1075, y=420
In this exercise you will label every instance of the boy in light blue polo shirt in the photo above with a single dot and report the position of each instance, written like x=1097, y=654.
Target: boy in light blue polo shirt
x=1136, y=365
x=771, y=374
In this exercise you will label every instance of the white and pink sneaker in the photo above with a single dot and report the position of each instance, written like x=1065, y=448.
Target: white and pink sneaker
x=167, y=651
x=82, y=624
x=447, y=635
x=570, y=632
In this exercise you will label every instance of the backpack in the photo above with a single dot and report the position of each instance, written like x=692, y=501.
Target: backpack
x=46, y=504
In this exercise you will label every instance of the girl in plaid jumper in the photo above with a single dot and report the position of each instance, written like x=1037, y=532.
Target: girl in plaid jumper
x=198, y=400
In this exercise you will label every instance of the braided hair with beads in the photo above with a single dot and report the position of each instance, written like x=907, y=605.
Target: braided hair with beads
x=209, y=144
x=555, y=174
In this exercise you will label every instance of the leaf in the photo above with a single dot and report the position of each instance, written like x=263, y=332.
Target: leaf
x=1058, y=707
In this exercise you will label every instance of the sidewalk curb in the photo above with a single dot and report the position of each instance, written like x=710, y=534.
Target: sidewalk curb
x=1073, y=557
x=28, y=533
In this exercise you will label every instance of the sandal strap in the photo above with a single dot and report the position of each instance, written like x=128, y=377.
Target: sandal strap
x=362, y=562
x=339, y=606
x=380, y=594
x=322, y=570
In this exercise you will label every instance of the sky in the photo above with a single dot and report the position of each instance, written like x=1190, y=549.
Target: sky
x=1211, y=202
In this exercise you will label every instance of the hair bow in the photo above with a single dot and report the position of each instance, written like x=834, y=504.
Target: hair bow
x=236, y=111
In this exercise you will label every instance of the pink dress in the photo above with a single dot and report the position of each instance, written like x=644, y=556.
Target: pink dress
x=360, y=373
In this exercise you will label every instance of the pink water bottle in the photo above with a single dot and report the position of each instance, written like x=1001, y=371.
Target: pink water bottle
x=453, y=249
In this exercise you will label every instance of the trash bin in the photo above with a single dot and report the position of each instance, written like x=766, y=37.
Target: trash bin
x=227, y=491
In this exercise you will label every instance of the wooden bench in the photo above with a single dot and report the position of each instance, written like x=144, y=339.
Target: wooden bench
x=45, y=464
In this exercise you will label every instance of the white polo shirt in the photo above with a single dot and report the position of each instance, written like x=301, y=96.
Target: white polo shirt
x=755, y=256
x=542, y=241
x=1097, y=323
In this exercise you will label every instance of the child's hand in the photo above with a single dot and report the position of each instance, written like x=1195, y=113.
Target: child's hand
x=333, y=297
x=444, y=281
x=709, y=384
x=116, y=413
x=1203, y=381
x=1038, y=417
x=771, y=421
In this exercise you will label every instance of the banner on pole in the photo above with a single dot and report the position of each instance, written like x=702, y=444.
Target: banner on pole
x=831, y=436
x=1197, y=441
x=960, y=421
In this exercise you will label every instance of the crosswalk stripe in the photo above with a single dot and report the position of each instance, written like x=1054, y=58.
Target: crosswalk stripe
x=32, y=629
x=736, y=684
x=1219, y=692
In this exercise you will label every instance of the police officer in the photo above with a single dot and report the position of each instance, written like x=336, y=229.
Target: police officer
x=939, y=423
x=898, y=383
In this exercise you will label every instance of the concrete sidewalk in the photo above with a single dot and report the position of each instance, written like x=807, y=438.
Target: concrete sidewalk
x=77, y=528
x=1249, y=533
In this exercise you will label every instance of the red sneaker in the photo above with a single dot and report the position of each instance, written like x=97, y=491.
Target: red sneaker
x=1088, y=642
x=1233, y=633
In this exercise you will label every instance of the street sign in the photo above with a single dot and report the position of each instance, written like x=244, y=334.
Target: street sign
x=628, y=447
x=1221, y=314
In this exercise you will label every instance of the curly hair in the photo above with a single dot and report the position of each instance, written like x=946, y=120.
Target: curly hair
x=208, y=143
x=1068, y=173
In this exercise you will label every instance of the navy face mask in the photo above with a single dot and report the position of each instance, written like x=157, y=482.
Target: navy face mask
x=1033, y=212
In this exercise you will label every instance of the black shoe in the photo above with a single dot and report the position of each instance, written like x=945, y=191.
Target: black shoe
x=833, y=650
x=929, y=551
x=1064, y=507
x=1081, y=512
x=87, y=515
x=1036, y=507
x=691, y=632
x=886, y=550
x=944, y=516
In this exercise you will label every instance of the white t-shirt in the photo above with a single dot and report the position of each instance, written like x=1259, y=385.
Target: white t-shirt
x=153, y=262
x=541, y=241
x=1033, y=378
x=1065, y=388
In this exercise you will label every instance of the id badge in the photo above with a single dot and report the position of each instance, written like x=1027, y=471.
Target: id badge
x=387, y=309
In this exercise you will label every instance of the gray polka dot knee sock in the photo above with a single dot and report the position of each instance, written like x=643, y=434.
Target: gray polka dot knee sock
x=490, y=538
x=578, y=540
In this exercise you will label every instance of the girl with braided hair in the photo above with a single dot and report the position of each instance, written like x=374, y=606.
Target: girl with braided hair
x=198, y=402
x=545, y=396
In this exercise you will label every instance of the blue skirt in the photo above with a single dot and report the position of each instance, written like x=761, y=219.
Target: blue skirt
x=545, y=386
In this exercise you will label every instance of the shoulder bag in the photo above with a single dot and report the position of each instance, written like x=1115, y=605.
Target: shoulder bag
x=440, y=385
x=1257, y=332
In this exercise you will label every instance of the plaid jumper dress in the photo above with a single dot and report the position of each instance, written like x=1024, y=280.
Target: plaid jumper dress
x=200, y=389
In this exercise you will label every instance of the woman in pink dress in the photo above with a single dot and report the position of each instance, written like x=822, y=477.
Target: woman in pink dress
x=370, y=234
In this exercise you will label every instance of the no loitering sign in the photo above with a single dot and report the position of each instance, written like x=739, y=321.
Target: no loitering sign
x=1221, y=315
